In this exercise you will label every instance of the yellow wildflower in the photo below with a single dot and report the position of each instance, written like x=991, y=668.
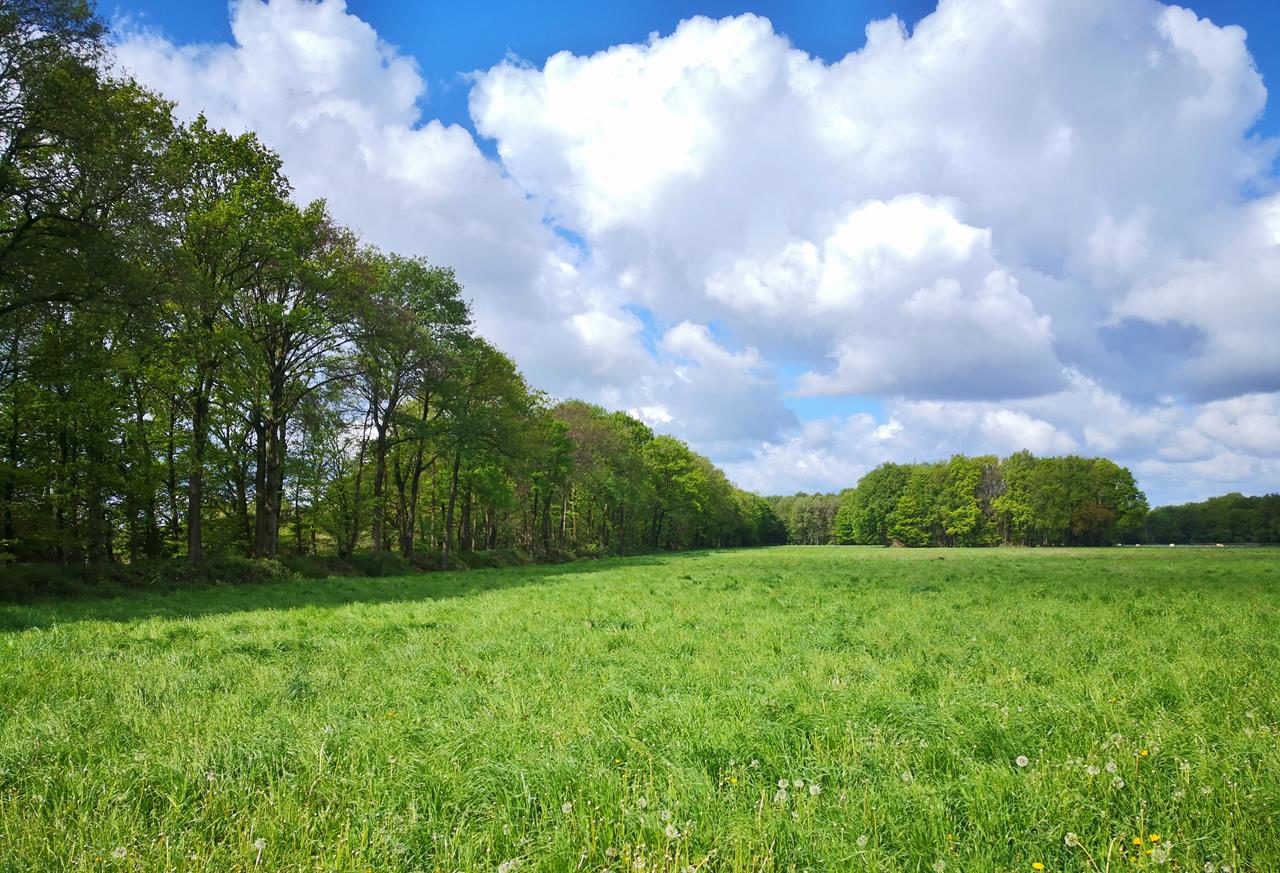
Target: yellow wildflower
x=1155, y=838
x=1037, y=866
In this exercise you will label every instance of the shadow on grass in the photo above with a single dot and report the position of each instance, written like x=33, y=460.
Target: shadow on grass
x=332, y=592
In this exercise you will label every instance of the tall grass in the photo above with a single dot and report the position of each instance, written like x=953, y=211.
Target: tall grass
x=784, y=709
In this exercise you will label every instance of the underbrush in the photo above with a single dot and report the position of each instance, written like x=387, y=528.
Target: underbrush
x=25, y=582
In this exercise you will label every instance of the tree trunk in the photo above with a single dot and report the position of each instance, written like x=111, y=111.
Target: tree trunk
x=379, y=486
x=453, y=498
x=466, y=533
x=195, y=481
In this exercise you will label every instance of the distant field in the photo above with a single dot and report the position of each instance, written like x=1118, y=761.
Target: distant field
x=923, y=710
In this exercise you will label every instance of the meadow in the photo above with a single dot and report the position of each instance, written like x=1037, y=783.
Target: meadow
x=796, y=708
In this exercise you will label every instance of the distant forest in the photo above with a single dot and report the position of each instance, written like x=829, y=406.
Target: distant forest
x=1020, y=500
x=1229, y=519
x=975, y=501
x=194, y=366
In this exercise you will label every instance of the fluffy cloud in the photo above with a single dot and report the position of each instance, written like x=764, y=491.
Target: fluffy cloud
x=889, y=291
x=1021, y=225
x=739, y=176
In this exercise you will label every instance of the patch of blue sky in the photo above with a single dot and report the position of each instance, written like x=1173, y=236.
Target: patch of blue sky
x=652, y=332
x=809, y=408
x=573, y=238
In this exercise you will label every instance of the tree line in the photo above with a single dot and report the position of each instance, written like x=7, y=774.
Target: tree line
x=192, y=364
x=976, y=501
x=1229, y=519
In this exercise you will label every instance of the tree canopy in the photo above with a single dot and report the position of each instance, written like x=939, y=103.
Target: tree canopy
x=192, y=364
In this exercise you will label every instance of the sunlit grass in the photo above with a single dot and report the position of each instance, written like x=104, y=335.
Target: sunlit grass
x=799, y=708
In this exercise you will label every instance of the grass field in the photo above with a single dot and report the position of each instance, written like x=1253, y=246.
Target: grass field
x=923, y=710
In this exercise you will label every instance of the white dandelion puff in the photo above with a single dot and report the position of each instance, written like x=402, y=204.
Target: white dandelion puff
x=906, y=776
x=672, y=832
x=939, y=866
x=1112, y=766
x=780, y=796
x=642, y=801
x=862, y=841
x=1022, y=760
x=566, y=807
x=1117, y=782
x=119, y=853
x=1071, y=840
x=814, y=789
x=1093, y=769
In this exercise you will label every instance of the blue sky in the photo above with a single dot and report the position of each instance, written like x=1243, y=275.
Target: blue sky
x=1014, y=224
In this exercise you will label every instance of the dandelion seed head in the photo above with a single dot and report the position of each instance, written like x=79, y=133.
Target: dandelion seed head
x=814, y=789
x=119, y=853
x=780, y=796
x=1093, y=769
x=783, y=783
x=1071, y=840
x=1022, y=760
x=1112, y=766
x=566, y=807
x=862, y=841
x=259, y=844
x=1117, y=782
x=939, y=866
x=906, y=776
x=672, y=832
x=642, y=801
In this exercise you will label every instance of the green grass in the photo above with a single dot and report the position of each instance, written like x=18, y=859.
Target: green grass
x=641, y=713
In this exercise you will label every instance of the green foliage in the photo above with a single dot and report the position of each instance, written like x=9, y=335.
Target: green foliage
x=584, y=708
x=809, y=519
x=1231, y=518
x=985, y=501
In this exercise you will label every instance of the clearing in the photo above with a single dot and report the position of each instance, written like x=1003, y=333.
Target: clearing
x=921, y=710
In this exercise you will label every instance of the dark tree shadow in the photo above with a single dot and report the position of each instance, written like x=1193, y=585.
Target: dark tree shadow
x=332, y=592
